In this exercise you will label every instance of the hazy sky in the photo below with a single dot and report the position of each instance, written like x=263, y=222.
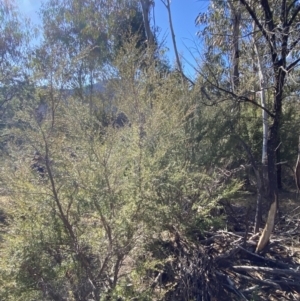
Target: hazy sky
x=184, y=13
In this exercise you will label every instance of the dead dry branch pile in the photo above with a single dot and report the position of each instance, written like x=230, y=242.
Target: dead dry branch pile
x=223, y=265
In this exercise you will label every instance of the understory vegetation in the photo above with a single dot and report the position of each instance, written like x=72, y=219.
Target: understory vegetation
x=122, y=179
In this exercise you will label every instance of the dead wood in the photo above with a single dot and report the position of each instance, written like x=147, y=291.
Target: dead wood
x=224, y=265
x=232, y=286
x=267, y=260
x=266, y=282
x=284, y=272
x=265, y=236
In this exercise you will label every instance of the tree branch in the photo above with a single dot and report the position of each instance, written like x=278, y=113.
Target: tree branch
x=268, y=15
x=168, y=7
x=296, y=12
x=267, y=270
x=292, y=65
x=242, y=98
x=146, y=5
x=63, y=217
x=283, y=15
x=291, y=5
x=293, y=45
x=255, y=19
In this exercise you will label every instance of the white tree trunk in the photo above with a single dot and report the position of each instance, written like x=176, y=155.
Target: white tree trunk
x=167, y=4
x=262, y=87
x=264, y=159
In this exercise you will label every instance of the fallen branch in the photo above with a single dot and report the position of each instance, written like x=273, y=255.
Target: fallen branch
x=232, y=286
x=267, y=270
x=210, y=240
x=265, y=282
x=275, y=262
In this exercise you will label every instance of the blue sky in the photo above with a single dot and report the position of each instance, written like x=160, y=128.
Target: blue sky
x=184, y=13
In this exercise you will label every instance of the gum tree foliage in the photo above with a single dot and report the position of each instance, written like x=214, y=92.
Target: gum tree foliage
x=277, y=24
x=88, y=32
x=81, y=39
x=14, y=86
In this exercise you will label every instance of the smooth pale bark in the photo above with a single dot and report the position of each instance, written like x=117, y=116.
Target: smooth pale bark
x=265, y=126
x=262, y=93
x=167, y=4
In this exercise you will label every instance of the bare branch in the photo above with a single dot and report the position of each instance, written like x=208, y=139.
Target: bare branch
x=291, y=5
x=296, y=12
x=268, y=15
x=146, y=5
x=257, y=22
x=168, y=7
x=283, y=15
x=292, y=65
x=293, y=45
x=242, y=98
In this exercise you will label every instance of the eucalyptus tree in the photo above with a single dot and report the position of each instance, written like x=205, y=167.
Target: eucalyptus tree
x=146, y=9
x=78, y=29
x=14, y=84
x=277, y=40
x=278, y=23
x=223, y=24
x=227, y=66
x=87, y=34
x=281, y=53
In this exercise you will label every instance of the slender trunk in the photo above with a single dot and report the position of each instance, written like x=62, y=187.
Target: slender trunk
x=273, y=141
x=262, y=88
x=262, y=182
x=278, y=49
x=236, y=16
x=146, y=5
x=272, y=147
x=278, y=158
x=279, y=67
x=91, y=93
x=258, y=211
x=259, y=185
x=179, y=65
x=297, y=169
x=272, y=174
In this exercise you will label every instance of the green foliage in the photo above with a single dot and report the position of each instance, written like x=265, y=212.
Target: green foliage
x=85, y=200
x=14, y=83
x=95, y=207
